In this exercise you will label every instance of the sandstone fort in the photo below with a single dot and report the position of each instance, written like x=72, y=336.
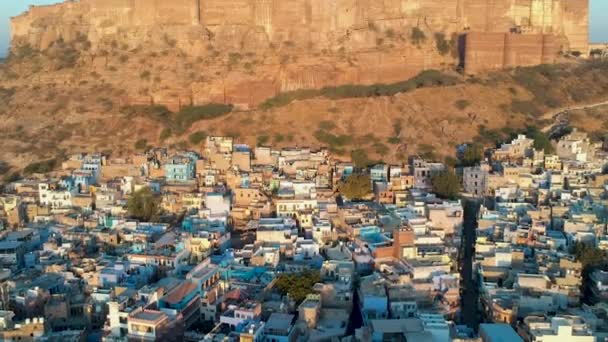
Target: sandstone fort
x=303, y=44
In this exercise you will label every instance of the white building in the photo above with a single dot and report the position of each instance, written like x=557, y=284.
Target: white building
x=305, y=249
x=55, y=197
x=291, y=207
x=558, y=329
x=217, y=203
x=117, y=319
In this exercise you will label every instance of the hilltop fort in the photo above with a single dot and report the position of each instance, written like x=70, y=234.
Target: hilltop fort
x=255, y=49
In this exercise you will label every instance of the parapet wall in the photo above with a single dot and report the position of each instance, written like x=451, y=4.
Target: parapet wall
x=494, y=51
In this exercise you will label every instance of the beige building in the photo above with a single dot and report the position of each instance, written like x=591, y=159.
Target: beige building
x=243, y=197
x=241, y=158
x=447, y=217
x=552, y=162
x=310, y=310
x=576, y=146
x=517, y=149
x=291, y=207
x=218, y=152
x=557, y=329
x=475, y=179
x=152, y=325
x=29, y=331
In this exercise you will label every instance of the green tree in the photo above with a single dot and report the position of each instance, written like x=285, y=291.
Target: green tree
x=427, y=152
x=262, y=139
x=141, y=144
x=473, y=154
x=541, y=140
x=356, y=186
x=380, y=148
x=144, y=205
x=183, y=119
x=446, y=184
x=417, y=36
x=360, y=159
x=443, y=46
x=11, y=177
x=450, y=161
x=44, y=166
x=196, y=137
x=165, y=134
x=279, y=138
x=297, y=286
x=589, y=256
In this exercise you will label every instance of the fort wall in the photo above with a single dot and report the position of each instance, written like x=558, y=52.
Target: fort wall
x=324, y=23
x=493, y=51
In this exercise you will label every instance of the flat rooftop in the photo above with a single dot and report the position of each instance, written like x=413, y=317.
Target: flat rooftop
x=149, y=315
x=279, y=321
x=404, y=325
x=4, y=245
x=178, y=294
x=498, y=332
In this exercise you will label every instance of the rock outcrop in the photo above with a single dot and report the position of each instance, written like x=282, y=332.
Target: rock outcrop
x=312, y=43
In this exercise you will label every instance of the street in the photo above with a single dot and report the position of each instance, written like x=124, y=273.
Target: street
x=469, y=314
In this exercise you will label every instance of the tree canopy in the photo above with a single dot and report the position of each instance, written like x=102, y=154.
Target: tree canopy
x=446, y=184
x=473, y=154
x=144, y=205
x=356, y=186
x=360, y=159
x=589, y=256
x=299, y=285
x=541, y=140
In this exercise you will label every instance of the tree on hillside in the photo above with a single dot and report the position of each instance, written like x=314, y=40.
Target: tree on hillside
x=144, y=205
x=446, y=184
x=417, y=36
x=360, y=159
x=356, y=186
x=541, y=140
x=473, y=154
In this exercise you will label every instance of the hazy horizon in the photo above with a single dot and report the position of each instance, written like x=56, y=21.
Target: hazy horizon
x=598, y=21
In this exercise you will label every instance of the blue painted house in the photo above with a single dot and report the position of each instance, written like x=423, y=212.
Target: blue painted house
x=181, y=167
x=379, y=173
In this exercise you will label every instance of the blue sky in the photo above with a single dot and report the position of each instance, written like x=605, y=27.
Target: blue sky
x=8, y=8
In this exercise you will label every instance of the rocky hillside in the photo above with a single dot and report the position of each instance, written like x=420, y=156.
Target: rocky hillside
x=50, y=106
x=120, y=75
x=240, y=52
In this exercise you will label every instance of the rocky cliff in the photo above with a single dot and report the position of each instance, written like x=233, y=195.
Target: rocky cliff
x=244, y=51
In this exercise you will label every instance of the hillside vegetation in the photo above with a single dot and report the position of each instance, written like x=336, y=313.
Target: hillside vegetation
x=43, y=118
